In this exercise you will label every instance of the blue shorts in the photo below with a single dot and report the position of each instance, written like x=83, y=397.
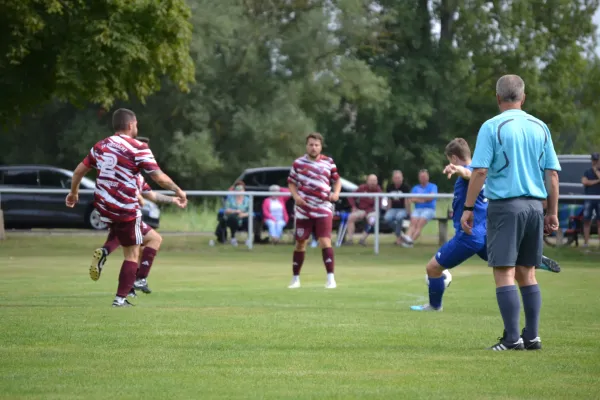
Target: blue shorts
x=425, y=213
x=460, y=248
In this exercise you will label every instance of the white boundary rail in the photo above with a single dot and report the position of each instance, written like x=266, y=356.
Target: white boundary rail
x=252, y=195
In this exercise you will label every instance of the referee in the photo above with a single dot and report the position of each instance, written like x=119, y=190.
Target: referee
x=514, y=151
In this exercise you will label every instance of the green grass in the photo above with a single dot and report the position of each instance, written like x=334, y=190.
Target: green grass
x=222, y=325
x=195, y=218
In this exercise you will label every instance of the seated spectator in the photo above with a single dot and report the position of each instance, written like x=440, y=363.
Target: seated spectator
x=397, y=206
x=365, y=209
x=275, y=214
x=591, y=184
x=424, y=208
x=237, y=208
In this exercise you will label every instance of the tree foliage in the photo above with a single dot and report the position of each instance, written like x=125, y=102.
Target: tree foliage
x=84, y=52
x=388, y=83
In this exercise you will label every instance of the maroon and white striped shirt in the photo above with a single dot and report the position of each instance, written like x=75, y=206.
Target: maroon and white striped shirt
x=142, y=185
x=313, y=180
x=119, y=160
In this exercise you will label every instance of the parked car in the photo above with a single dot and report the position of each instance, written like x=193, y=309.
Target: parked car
x=569, y=178
x=259, y=180
x=43, y=209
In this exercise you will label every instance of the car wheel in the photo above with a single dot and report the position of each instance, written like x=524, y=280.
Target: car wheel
x=94, y=222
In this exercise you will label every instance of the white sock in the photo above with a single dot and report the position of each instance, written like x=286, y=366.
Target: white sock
x=296, y=278
x=120, y=299
x=330, y=277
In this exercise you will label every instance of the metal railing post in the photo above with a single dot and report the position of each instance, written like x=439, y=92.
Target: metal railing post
x=251, y=223
x=377, y=200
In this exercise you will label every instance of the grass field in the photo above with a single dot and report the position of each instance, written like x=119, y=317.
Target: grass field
x=222, y=325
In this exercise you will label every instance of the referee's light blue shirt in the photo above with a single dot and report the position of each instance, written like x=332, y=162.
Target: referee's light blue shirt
x=516, y=148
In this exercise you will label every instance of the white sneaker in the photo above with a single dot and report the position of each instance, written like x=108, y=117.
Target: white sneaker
x=407, y=239
x=294, y=284
x=314, y=244
x=426, y=307
x=330, y=285
x=407, y=245
x=234, y=242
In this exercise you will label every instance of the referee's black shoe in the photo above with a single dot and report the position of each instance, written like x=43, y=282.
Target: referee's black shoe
x=533, y=344
x=503, y=345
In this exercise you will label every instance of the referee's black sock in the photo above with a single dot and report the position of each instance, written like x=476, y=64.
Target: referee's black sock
x=532, y=303
x=510, y=308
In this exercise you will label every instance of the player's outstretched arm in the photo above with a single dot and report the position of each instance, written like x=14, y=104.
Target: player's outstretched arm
x=78, y=174
x=459, y=170
x=163, y=199
x=167, y=183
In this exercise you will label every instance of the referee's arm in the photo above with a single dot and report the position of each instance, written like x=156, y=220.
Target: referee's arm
x=551, y=168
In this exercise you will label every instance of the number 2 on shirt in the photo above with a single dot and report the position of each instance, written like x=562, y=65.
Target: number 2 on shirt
x=107, y=168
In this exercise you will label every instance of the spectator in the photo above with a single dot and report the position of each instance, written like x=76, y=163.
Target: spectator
x=397, y=206
x=237, y=208
x=591, y=183
x=365, y=209
x=424, y=208
x=275, y=214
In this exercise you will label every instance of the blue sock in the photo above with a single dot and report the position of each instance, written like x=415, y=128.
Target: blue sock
x=510, y=308
x=436, y=291
x=532, y=303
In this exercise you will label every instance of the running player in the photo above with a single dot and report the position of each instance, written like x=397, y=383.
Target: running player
x=462, y=246
x=118, y=160
x=151, y=243
x=310, y=183
x=152, y=239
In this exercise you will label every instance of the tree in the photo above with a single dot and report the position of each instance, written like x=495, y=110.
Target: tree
x=388, y=83
x=441, y=59
x=90, y=51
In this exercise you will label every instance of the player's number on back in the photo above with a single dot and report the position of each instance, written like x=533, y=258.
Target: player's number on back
x=107, y=167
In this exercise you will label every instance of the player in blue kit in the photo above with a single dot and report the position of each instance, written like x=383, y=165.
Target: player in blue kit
x=462, y=246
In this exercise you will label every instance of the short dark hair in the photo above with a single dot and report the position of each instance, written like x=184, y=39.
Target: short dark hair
x=121, y=118
x=458, y=147
x=316, y=136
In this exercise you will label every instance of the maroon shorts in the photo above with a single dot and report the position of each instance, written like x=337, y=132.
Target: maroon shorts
x=129, y=233
x=321, y=226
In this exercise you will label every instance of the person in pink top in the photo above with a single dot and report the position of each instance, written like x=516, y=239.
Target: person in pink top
x=275, y=214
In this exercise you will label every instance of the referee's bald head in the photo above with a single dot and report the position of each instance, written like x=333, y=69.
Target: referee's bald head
x=510, y=89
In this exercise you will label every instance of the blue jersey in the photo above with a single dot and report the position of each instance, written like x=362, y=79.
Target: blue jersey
x=516, y=148
x=480, y=212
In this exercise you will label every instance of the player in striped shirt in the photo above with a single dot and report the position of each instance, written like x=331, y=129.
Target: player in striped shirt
x=150, y=245
x=310, y=182
x=119, y=159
